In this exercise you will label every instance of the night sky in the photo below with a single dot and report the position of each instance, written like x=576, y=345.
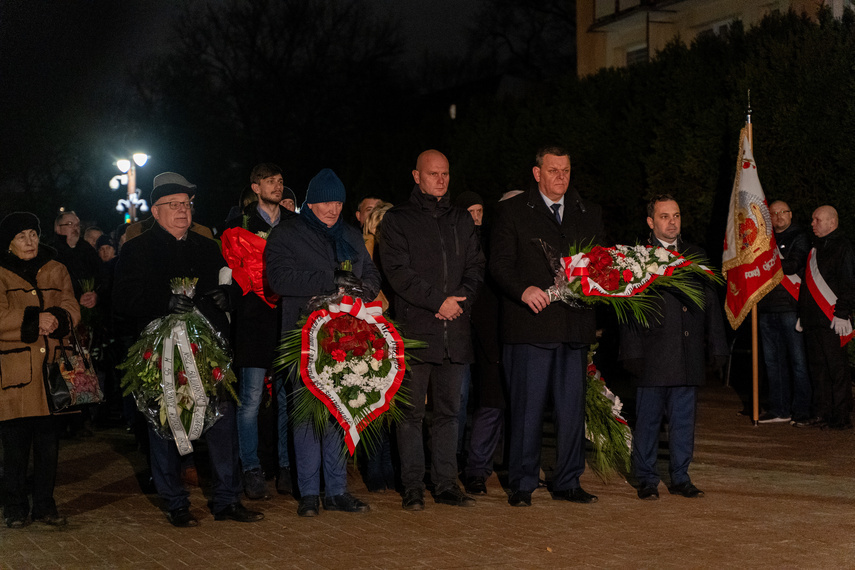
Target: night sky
x=64, y=63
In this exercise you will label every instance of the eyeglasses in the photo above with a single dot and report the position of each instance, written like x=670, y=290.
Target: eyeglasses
x=176, y=205
x=781, y=212
x=74, y=224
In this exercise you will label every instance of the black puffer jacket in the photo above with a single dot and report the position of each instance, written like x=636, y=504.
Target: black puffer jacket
x=430, y=251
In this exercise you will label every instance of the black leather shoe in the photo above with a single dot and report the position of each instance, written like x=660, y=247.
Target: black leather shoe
x=811, y=423
x=52, y=519
x=455, y=497
x=519, y=499
x=182, y=518
x=346, y=503
x=309, y=506
x=476, y=486
x=15, y=521
x=648, y=493
x=237, y=512
x=414, y=500
x=687, y=490
x=577, y=495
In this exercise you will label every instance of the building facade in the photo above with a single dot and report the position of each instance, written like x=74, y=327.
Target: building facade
x=617, y=33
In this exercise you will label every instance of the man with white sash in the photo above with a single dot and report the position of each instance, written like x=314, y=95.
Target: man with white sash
x=142, y=293
x=783, y=346
x=825, y=306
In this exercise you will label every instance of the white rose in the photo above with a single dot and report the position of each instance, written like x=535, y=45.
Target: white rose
x=662, y=254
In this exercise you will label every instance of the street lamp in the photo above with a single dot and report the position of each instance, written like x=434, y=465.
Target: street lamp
x=128, y=177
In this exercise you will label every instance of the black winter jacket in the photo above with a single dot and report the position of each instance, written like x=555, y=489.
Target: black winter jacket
x=794, y=245
x=301, y=263
x=256, y=326
x=146, y=265
x=430, y=251
x=835, y=259
x=518, y=261
x=672, y=349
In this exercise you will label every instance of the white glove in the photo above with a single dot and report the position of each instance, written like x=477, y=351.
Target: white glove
x=842, y=327
x=799, y=325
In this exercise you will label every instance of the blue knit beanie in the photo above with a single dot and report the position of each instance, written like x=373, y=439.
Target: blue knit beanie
x=325, y=187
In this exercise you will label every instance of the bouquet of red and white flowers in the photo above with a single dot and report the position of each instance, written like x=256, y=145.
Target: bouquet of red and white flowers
x=177, y=371
x=351, y=360
x=605, y=427
x=624, y=276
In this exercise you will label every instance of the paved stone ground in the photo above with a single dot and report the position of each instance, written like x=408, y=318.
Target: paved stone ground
x=776, y=496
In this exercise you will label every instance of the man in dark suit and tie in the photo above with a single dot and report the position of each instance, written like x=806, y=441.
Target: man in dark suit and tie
x=545, y=344
x=668, y=365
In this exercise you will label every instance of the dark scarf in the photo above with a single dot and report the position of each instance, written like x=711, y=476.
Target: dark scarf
x=343, y=250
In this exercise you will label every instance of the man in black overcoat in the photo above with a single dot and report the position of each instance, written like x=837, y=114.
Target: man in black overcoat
x=545, y=344
x=142, y=293
x=668, y=364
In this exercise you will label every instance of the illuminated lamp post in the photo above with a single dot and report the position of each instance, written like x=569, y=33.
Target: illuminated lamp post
x=129, y=178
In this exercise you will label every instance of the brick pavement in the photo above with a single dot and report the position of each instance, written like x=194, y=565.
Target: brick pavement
x=775, y=497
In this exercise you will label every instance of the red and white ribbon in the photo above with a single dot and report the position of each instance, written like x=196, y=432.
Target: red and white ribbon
x=179, y=339
x=371, y=313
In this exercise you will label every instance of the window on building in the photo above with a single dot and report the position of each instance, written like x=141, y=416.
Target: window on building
x=636, y=54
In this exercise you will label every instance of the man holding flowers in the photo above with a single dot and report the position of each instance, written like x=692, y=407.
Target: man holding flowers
x=667, y=362
x=143, y=293
x=307, y=256
x=545, y=344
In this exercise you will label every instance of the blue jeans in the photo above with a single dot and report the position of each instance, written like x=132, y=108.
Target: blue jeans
x=786, y=365
x=250, y=392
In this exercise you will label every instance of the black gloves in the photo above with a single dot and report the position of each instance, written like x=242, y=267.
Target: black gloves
x=180, y=304
x=344, y=278
x=219, y=297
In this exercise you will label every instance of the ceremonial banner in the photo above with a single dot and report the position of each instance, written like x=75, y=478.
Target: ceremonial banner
x=750, y=262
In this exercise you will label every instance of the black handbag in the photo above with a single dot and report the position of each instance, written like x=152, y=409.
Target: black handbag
x=70, y=381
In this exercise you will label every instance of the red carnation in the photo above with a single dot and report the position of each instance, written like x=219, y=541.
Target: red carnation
x=338, y=355
x=627, y=275
x=379, y=354
x=217, y=374
x=182, y=378
x=359, y=351
x=363, y=336
x=194, y=347
x=378, y=343
x=147, y=355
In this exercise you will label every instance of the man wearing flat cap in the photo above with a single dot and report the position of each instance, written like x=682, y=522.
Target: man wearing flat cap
x=143, y=293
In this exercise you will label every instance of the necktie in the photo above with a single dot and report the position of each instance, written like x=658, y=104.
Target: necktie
x=672, y=247
x=556, y=208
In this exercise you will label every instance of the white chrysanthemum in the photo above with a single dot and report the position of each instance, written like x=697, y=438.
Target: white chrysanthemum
x=359, y=367
x=357, y=402
x=375, y=364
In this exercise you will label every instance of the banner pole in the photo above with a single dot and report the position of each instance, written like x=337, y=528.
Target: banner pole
x=755, y=365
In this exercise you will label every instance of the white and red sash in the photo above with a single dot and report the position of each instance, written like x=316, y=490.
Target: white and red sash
x=792, y=283
x=821, y=292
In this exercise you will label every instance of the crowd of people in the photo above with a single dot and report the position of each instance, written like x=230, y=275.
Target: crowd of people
x=469, y=281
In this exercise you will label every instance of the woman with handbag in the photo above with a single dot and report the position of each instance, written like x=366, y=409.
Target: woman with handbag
x=36, y=303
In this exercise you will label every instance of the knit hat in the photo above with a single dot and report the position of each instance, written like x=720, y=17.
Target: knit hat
x=15, y=223
x=467, y=199
x=168, y=183
x=325, y=187
x=104, y=240
x=288, y=194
